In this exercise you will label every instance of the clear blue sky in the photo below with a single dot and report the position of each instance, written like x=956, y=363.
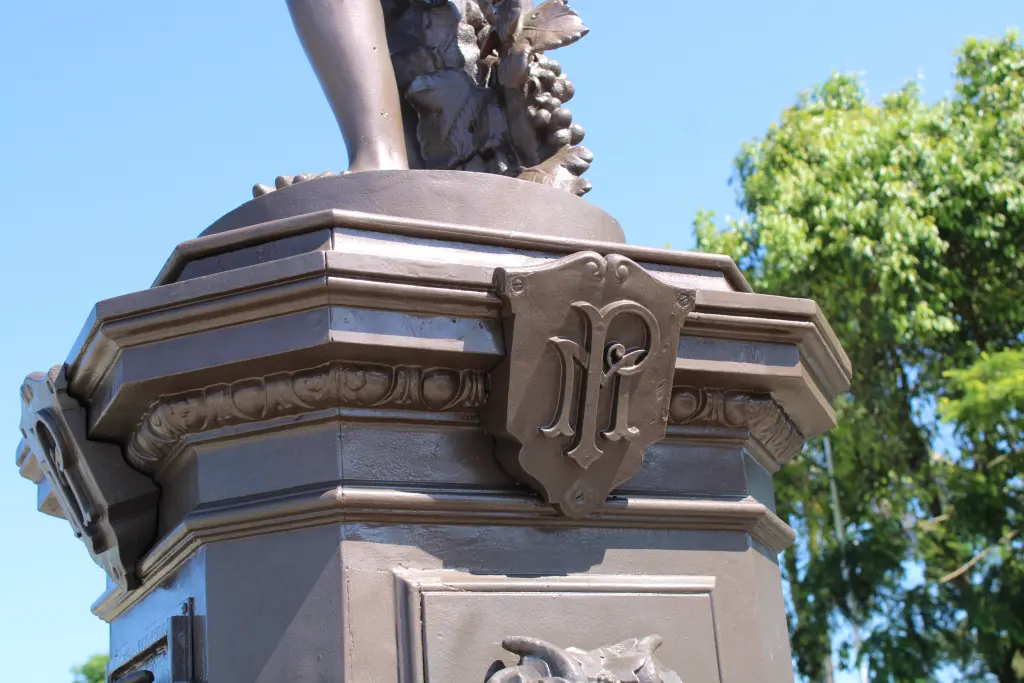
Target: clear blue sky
x=127, y=127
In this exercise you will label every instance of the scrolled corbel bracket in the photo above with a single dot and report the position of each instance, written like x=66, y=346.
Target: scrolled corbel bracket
x=111, y=507
x=758, y=413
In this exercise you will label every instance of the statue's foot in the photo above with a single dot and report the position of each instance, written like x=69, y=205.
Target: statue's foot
x=283, y=181
x=563, y=170
x=374, y=160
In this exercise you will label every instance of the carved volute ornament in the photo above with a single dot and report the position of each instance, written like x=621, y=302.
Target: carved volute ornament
x=631, y=661
x=758, y=413
x=334, y=385
x=461, y=85
x=585, y=387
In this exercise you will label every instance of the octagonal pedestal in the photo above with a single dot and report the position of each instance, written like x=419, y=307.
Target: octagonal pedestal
x=310, y=395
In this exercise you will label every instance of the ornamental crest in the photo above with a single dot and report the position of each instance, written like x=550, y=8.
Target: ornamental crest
x=584, y=390
x=111, y=507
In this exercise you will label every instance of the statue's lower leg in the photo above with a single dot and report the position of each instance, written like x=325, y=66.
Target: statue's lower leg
x=347, y=46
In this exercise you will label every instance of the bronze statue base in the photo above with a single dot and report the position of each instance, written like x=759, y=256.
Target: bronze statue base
x=397, y=421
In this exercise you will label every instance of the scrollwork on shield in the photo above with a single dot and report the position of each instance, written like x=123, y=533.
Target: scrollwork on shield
x=585, y=387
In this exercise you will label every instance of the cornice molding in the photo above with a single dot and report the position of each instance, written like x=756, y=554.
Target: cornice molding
x=355, y=504
x=775, y=318
x=262, y=294
x=172, y=419
x=759, y=415
x=219, y=243
x=334, y=385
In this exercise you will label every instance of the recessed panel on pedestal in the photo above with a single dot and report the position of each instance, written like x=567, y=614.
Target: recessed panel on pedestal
x=451, y=624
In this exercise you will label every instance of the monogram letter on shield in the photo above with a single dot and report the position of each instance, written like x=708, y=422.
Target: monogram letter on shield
x=605, y=367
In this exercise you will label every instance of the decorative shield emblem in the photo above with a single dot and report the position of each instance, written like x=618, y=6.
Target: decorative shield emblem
x=111, y=507
x=584, y=389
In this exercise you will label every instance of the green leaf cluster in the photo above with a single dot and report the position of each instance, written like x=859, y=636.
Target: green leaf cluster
x=94, y=670
x=905, y=221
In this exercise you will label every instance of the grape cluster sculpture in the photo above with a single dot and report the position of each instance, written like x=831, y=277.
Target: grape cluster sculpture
x=486, y=95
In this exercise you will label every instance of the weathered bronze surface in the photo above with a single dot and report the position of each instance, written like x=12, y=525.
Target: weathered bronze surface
x=463, y=85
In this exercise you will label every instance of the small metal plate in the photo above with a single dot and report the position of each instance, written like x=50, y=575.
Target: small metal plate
x=165, y=650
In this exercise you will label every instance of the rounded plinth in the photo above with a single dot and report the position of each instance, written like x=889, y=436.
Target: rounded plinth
x=471, y=199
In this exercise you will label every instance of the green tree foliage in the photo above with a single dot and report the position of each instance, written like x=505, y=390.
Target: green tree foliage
x=905, y=222
x=987, y=399
x=94, y=670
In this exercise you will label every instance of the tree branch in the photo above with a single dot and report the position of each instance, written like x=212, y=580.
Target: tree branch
x=978, y=558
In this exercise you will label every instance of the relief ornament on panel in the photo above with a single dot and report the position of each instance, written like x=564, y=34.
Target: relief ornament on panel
x=631, y=661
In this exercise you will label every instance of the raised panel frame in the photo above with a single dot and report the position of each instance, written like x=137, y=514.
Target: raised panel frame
x=412, y=587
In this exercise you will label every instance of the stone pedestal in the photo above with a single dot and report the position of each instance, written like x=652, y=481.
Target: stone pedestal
x=316, y=464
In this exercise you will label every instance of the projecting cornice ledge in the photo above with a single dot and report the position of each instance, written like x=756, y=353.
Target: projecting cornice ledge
x=301, y=310
x=353, y=504
x=212, y=245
